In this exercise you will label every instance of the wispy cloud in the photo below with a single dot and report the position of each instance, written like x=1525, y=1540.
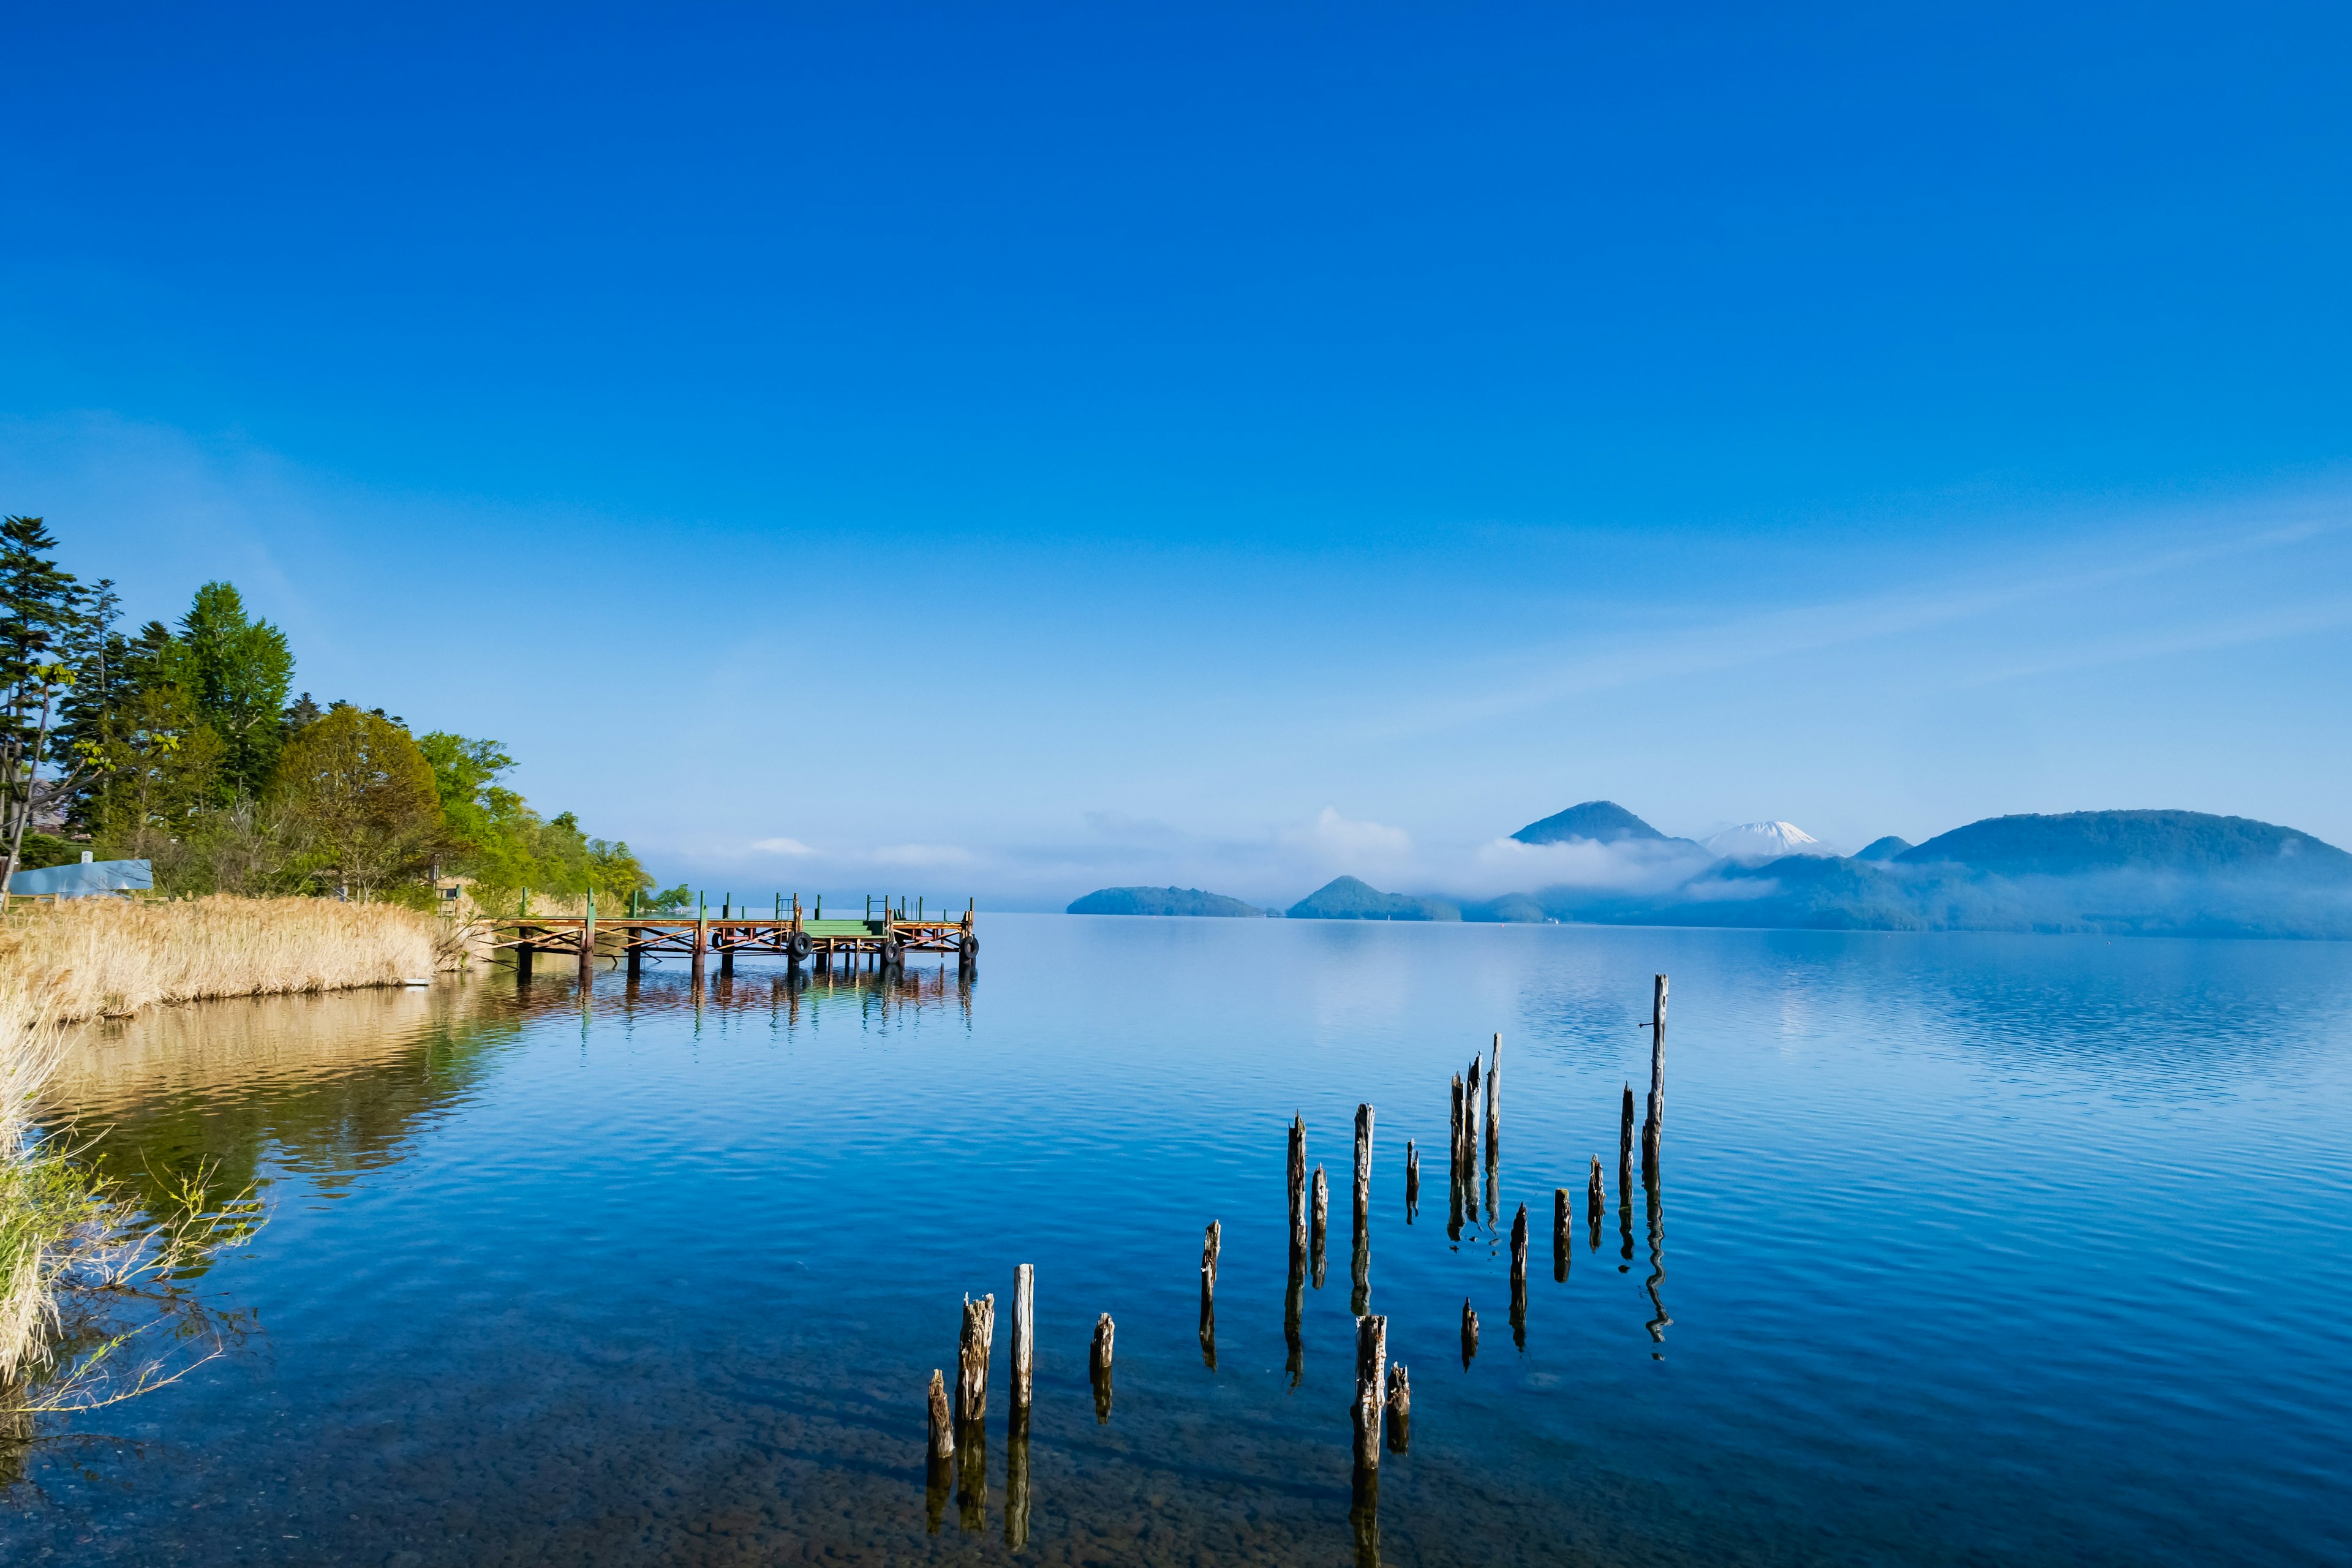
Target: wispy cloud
x=1544, y=674
x=782, y=847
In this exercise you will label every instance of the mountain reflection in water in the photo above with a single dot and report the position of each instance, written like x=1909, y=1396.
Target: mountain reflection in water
x=650, y=1276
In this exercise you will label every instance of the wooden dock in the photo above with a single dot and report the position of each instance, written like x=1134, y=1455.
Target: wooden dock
x=887, y=934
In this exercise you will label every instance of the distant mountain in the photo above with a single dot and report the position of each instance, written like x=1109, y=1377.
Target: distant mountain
x=1758, y=841
x=1603, y=821
x=2121, y=873
x=1511, y=908
x=2183, y=842
x=1885, y=848
x=1347, y=898
x=1159, y=902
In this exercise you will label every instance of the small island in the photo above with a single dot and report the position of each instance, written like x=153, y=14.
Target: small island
x=1160, y=901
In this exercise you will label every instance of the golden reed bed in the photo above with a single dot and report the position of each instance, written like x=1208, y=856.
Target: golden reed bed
x=105, y=957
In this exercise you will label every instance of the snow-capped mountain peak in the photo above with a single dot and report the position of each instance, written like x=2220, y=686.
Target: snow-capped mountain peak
x=1766, y=841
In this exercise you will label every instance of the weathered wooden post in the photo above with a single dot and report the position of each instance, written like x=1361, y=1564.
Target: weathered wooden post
x=1469, y=1333
x=943, y=1422
x=1025, y=1337
x=1412, y=1180
x=1560, y=1245
x=1399, y=1418
x=939, y=1455
x=1470, y=1117
x=1298, y=1184
x=1361, y=1252
x=1363, y=1168
x=1655, y=1133
x=522, y=957
x=1211, y=1243
x=1520, y=1277
x=1098, y=1368
x=1372, y=1387
x=1625, y=1141
x=1494, y=1102
x=1596, y=1203
x=701, y=937
x=1322, y=1222
x=971, y=1362
x=588, y=944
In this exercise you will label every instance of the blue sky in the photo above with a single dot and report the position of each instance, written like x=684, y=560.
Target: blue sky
x=1011, y=451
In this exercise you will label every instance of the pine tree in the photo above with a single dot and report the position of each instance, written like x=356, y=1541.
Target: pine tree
x=40, y=608
x=240, y=671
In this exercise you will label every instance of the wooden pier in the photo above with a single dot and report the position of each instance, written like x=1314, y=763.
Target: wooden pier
x=887, y=934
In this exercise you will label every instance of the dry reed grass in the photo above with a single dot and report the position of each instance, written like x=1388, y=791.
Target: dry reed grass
x=29, y=1045
x=105, y=957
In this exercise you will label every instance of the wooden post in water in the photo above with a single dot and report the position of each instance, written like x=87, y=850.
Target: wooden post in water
x=1211, y=1243
x=1098, y=1367
x=1025, y=1337
x=522, y=959
x=1494, y=1102
x=1363, y=1167
x=1520, y=1277
x=1470, y=1121
x=701, y=936
x=1625, y=1140
x=588, y=944
x=1469, y=1333
x=1560, y=1245
x=1371, y=1388
x=1298, y=1184
x=1655, y=1133
x=1596, y=1203
x=972, y=1360
x=1412, y=1180
x=1322, y=1222
x=1400, y=1415
x=942, y=1422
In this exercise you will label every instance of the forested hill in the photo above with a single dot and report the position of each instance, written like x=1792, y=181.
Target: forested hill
x=1603, y=821
x=1159, y=902
x=2189, y=843
x=1349, y=899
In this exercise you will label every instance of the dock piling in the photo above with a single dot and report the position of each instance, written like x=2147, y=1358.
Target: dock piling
x=972, y=1360
x=1400, y=1415
x=1098, y=1367
x=1322, y=1222
x=1024, y=1332
x=1211, y=1243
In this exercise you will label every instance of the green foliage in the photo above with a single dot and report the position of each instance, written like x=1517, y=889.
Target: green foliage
x=359, y=800
x=45, y=849
x=240, y=671
x=1349, y=899
x=496, y=838
x=1160, y=901
x=180, y=747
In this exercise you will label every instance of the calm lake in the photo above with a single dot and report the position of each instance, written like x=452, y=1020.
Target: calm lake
x=1966, y=1249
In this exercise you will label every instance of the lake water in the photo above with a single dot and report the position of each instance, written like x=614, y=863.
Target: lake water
x=1966, y=1249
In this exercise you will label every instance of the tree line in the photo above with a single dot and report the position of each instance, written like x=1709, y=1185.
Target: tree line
x=184, y=746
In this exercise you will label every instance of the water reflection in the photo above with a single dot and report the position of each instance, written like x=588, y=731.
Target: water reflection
x=1016, y=1480
x=327, y=1086
x=1654, y=1185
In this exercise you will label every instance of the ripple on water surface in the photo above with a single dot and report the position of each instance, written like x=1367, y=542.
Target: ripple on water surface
x=1964, y=1249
